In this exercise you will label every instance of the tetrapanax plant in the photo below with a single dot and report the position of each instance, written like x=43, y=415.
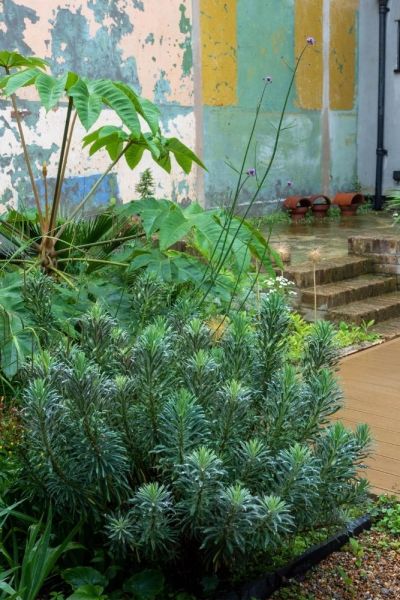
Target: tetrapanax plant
x=176, y=452
x=85, y=100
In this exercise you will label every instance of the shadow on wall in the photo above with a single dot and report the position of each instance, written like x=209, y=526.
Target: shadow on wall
x=76, y=188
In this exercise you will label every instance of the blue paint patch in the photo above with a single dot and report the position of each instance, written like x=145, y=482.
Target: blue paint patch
x=76, y=188
x=96, y=57
x=15, y=18
x=162, y=89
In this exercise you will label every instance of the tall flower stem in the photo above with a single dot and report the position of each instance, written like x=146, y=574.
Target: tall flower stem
x=315, y=291
x=263, y=178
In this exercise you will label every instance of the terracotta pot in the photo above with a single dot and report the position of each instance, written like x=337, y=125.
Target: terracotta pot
x=297, y=214
x=297, y=206
x=320, y=210
x=348, y=203
x=320, y=205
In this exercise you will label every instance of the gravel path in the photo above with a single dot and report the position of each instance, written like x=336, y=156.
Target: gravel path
x=367, y=569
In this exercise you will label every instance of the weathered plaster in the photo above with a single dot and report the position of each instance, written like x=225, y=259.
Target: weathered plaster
x=343, y=53
x=120, y=39
x=203, y=62
x=218, y=22
x=309, y=82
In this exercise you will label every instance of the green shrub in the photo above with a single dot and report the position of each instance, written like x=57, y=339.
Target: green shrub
x=187, y=446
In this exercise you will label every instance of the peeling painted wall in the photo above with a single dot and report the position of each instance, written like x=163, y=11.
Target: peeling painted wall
x=130, y=40
x=203, y=62
x=317, y=151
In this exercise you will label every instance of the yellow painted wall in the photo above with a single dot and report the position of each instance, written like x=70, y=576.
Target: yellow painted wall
x=309, y=82
x=218, y=23
x=343, y=54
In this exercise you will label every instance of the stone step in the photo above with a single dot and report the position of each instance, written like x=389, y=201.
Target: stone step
x=328, y=271
x=388, y=330
x=378, y=309
x=331, y=295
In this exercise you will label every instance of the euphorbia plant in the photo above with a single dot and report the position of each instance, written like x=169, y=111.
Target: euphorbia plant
x=86, y=100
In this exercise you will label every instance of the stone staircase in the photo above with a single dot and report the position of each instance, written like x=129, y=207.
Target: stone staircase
x=349, y=289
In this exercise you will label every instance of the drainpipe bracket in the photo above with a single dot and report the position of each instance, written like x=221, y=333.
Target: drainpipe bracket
x=381, y=152
x=383, y=6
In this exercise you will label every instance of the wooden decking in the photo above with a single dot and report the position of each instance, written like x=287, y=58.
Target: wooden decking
x=371, y=383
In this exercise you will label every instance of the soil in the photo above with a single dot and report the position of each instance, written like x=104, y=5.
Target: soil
x=367, y=570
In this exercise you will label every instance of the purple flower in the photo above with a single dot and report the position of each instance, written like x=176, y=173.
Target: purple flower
x=290, y=184
x=267, y=79
x=251, y=172
x=311, y=41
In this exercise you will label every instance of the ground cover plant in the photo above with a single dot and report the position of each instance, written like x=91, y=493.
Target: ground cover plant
x=346, y=335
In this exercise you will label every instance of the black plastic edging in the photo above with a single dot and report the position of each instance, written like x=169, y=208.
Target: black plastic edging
x=262, y=588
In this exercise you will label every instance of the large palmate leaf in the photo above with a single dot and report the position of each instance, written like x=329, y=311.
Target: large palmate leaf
x=14, y=60
x=183, y=155
x=179, y=267
x=12, y=83
x=134, y=154
x=145, y=108
x=212, y=236
x=113, y=96
x=87, y=103
x=50, y=89
x=112, y=139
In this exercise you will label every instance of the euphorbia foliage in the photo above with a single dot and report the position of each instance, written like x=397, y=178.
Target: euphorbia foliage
x=187, y=441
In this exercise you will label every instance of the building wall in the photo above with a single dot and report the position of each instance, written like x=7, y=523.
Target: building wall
x=318, y=150
x=368, y=99
x=203, y=62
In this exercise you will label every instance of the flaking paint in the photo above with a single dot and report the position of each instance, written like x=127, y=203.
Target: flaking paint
x=343, y=54
x=218, y=24
x=208, y=102
x=309, y=83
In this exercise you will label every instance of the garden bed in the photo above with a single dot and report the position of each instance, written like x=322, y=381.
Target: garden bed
x=367, y=568
x=265, y=586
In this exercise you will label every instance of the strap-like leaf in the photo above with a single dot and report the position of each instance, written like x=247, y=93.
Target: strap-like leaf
x=50, y=89
x=87, y=103
x=114, y=97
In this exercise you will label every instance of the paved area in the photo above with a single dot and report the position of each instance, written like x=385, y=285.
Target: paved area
x=329, y=235
x=371, y=383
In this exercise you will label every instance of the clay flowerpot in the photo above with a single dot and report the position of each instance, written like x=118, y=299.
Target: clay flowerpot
x=297, y=206
x=348, y=203
x=320, y=205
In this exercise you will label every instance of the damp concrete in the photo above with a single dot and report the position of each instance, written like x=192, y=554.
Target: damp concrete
x=330, y=236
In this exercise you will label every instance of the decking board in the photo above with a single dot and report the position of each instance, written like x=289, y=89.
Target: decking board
x=371, y=384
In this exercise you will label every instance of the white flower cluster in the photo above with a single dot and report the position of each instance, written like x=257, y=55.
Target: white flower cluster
x=281, y=284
